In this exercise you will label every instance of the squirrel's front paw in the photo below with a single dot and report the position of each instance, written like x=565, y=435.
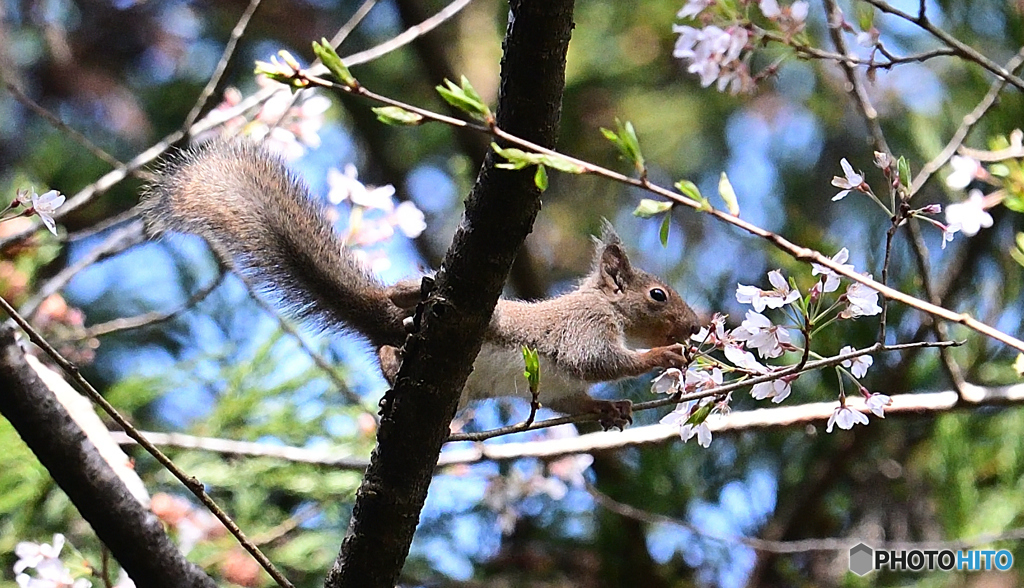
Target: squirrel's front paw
x=614, y=413
x=666, y=357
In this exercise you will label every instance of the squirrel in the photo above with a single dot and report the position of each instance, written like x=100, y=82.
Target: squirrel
x=260, y=218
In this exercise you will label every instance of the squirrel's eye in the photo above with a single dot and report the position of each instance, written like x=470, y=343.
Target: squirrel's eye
x=658, y=294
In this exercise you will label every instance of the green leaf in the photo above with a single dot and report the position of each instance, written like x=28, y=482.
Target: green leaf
x=627, y=143
x=518, y=159
x=865, y=16
x=727, y=193
x=470, y=90
x=663, y=233
x=562, y=164
x=466, y=99
x=690, y=190
x=648, y=208
x=700, y=415
x=397, y=116
x=515, y=158
x=1014, y=202
x=1000, y=170
x=903, y=168
x=287, y=71
x=532, y=360
x=326, y=53
x=541, y=178
x=1017, y=252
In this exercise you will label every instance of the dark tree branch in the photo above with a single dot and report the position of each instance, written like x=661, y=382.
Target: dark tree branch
x=132, y=533
x=438, y=359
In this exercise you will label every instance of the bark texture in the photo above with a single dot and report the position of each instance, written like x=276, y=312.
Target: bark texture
x=438, y=358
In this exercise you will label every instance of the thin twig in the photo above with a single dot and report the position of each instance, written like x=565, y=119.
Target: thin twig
x=118, y=241
x=812, y=52
x=961, y=48
x=859, y=92
x=353, y=22
x=804, y=366
x=217, y=117
x=102, y=225
x=938, y=327
x=313, y=354
x=323, y=456
x=971, y=119
x=222, y=65
x=60, y=125
x=110, y=179
x=911, y=404
x=149, y=318
x=405, y=37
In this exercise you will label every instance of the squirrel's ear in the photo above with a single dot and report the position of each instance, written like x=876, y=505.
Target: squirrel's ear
x=612, y=265
x=608, y=234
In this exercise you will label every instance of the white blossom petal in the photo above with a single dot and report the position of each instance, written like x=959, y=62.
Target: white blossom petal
x=859, y=365
x=970, y=215
x=876, y=403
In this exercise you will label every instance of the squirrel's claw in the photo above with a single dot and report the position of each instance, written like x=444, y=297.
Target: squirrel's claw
x=614, y=413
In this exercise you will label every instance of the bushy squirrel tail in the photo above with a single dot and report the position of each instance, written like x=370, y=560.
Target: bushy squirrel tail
x=260, y=217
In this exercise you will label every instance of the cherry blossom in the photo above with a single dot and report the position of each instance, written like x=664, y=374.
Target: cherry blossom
x=687, y=431
x=696, y=380
x=760, y=299
x=715, y=335
x=876, y=403
x=862, y=301
x=846, y=418
x=965, y=171
x=31, y=554
x=759, y=332
x=288, y=124
x=409, y=219
x=286, y=66
x=948, y=231
x=859, y=365
x=346, y=186
x=50, y=571
x=45, y=205
x=669, y=381
x=770, y=8
x=832, y=278
x=883, y=160
x=693, y=7
x=868, y=38
x=744, y=359
x=714, y=54
x=777, y=390
x=790, y=18
x=701, y=431
x=970, y=215
x=852, y=182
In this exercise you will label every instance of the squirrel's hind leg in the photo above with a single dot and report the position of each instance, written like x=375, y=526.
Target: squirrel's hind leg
x=610, y=413
x=390, y=358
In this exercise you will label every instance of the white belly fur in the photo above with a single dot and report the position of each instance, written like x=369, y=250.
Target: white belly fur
x=498, y=371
